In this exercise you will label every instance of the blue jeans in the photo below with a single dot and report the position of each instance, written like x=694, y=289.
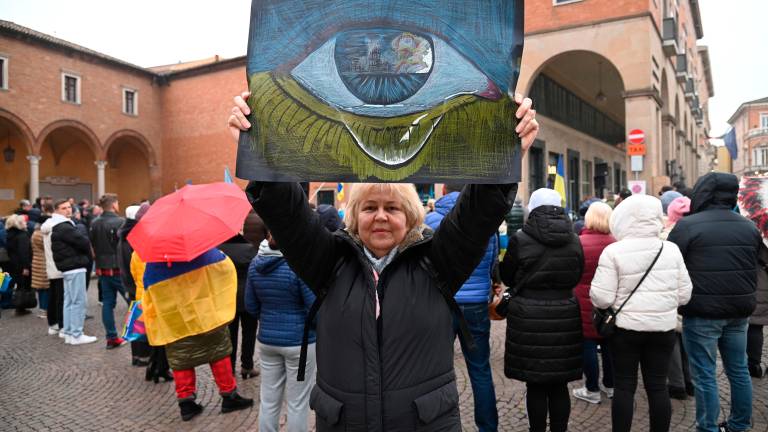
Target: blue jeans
x=591, y=367
x=110, y=286
x=42, y=299
x=479, y=364
x=74, y=303
x=702, y=338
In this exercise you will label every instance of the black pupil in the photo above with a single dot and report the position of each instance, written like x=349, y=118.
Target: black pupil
x=383, y=66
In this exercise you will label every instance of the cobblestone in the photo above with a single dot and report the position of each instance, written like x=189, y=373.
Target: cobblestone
x=46, y=385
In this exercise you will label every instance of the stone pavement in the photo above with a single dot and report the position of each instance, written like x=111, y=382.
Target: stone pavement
x=48, y=386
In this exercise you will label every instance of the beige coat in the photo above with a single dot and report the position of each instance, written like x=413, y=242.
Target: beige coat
x=39, y=274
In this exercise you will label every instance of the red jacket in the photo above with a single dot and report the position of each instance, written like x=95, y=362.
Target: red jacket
x=593, y=243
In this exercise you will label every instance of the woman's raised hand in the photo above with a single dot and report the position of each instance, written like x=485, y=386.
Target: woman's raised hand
x=528, y=127
x=237, y=121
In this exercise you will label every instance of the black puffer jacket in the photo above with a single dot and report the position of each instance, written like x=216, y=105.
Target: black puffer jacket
x=19, y=251
x=103, y=233
x=395, y=372
x=544, y=337
x=720, y=249
x=124, y=252
x=71, y=249
x=241, y=252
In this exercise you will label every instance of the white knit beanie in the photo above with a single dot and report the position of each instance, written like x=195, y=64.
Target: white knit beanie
x=544, y=196
x=130, y=211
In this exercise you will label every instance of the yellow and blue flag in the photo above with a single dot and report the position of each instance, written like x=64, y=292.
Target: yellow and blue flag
x=560, y=179
x=340, y=191
x=184, y=299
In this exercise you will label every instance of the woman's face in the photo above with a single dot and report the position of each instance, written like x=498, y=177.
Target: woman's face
x=381, y=221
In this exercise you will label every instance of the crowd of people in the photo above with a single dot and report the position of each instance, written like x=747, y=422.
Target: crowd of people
x=356, y=318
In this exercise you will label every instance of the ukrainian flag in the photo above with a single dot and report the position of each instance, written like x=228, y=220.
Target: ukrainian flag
x=340, y=192
x=184, y=299
x=560, y=179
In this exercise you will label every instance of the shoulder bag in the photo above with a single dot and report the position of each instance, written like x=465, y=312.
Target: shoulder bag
x=605, y=319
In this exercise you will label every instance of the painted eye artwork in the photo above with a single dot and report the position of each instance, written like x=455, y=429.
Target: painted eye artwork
x=383, y=90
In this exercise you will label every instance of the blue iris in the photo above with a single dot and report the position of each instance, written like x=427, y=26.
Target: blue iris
x=383, y=66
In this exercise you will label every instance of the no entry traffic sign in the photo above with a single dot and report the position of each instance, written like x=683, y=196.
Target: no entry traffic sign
x=636, y=136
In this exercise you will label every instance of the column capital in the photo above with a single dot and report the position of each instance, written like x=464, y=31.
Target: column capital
x=100, y=164
x=34, y=159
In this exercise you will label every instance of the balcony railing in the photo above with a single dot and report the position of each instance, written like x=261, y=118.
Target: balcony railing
x=756, y=169
x=757, y=132
x=669, y=36
x=690, y=91
x=681, y=69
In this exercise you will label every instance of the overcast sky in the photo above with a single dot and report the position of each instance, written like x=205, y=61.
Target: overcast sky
x=157, y=32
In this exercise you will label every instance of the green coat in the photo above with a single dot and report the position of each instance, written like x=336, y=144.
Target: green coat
x=200, y=349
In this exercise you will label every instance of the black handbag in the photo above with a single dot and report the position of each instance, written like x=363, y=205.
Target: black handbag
x=605, y=319
x=497, y=308
x=24, y=298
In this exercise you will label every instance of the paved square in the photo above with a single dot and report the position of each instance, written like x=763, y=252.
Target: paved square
x=46, y=385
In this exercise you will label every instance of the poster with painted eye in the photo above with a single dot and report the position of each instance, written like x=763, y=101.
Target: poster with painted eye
x=383, y=91
x=753, y=201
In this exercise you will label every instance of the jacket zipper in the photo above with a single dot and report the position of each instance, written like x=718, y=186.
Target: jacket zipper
x=377, y=282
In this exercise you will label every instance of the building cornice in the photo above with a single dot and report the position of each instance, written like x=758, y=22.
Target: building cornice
x=26, y=34
x=596, y=22
x=220, y=65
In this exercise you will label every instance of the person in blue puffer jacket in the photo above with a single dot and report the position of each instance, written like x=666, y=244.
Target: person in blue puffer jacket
x=473, y=300
x=281, y=302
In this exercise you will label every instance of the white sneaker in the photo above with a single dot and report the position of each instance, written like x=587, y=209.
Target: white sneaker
x=67, y=339
x=586, y=395
x=53, y=330
x=82, y=339
x=62, y=334
x=608, y=391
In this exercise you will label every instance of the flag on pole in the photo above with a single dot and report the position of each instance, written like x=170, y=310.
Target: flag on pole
x=730, y=143
x=560, y=179
x=227, y=176
x=340, y=191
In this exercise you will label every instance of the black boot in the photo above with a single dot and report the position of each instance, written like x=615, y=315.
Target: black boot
x=234, y=402
x=189, y=408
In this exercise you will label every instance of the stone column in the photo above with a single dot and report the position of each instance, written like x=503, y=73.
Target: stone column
x=101, y=166
x=34, y=176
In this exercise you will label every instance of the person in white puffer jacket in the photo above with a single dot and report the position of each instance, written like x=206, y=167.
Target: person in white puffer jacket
x=645, y=327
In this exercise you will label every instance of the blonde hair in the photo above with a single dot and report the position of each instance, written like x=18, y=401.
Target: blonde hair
x=406, y=192
x=598, y=217
x=15, y=221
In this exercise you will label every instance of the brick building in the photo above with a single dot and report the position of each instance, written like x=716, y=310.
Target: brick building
x=79, y=123
x=750, y=122
x=597, y=69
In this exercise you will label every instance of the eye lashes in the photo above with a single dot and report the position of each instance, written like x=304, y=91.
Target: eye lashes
x=467, y=132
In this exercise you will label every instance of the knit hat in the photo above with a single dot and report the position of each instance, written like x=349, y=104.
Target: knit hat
x=544, y=196
x=678, y=208
x=667, y=197
x=130, y=211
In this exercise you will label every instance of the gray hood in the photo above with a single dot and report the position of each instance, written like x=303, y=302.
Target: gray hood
x=638, y=216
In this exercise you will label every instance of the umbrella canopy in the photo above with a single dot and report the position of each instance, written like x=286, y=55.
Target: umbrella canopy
x=182, y=225
x=753, y=201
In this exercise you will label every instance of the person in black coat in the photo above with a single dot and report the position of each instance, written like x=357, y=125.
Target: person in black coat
x=19, y=248
x=140, y=350
x=543, y=264
x=385, y=292
x=242, y=252
x=720, y=249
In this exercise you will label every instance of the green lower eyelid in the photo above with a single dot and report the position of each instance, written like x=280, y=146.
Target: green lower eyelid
x=294, y=126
